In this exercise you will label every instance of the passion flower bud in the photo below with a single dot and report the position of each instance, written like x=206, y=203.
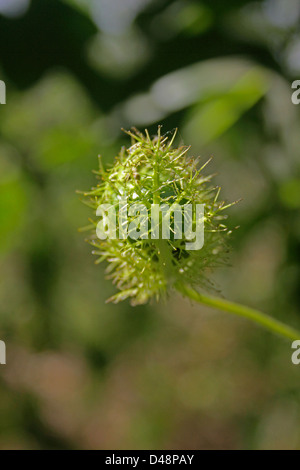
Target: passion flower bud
x=158, y=221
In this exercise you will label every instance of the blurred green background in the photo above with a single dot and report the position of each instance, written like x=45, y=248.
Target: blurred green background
x=83, y=374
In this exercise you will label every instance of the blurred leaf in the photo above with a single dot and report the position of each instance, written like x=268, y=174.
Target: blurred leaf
x=289, y=193
x=214, y=117
x=60, y=146
x=12, y=206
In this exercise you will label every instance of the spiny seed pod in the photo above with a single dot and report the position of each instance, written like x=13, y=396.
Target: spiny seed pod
x=153, y=172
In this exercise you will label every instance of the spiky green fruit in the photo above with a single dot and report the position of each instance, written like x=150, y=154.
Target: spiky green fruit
x=153, y=171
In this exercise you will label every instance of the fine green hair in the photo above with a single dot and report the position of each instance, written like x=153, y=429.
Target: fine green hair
x=153, y=170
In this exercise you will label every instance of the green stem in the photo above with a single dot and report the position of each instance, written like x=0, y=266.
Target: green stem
x=252, y=314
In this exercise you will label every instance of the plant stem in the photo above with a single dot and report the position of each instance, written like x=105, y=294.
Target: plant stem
x=256, y=316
